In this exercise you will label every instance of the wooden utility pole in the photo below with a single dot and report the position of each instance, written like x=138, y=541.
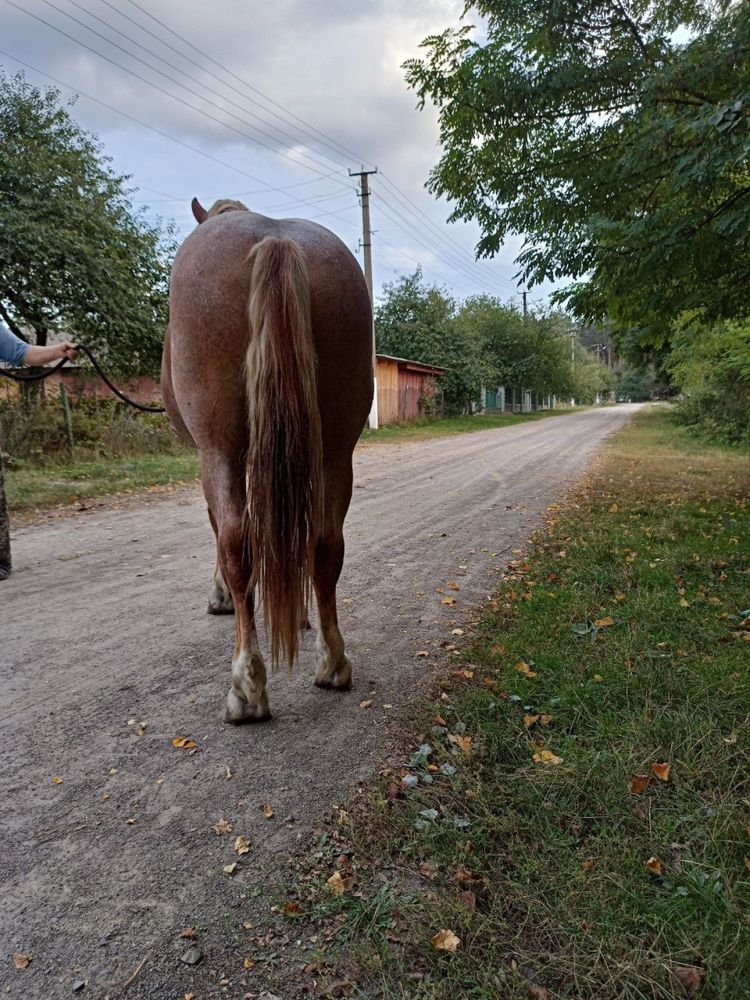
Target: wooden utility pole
x=364, y=197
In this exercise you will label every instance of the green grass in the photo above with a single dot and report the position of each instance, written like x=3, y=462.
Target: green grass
x=465, y=424
x=551, y=858
x=30, y=488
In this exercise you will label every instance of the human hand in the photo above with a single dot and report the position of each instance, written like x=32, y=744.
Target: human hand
x=67, y=350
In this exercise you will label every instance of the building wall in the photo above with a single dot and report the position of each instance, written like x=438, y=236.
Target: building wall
x=388, y=398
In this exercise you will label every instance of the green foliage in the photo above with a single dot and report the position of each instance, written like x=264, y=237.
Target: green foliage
x=712, y=365
x=484, y=342
x=614, y=136
x=416, y=321
x=74, y=258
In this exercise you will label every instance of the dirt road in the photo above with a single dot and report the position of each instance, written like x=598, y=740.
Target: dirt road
x=107, y=654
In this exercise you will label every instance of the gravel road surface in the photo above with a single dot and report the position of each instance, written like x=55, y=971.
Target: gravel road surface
x=107, y=654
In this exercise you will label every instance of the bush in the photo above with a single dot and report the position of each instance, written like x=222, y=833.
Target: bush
x=712, y=366
x=32, y=432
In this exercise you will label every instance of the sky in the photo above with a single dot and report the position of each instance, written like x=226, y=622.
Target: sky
x=272, y=104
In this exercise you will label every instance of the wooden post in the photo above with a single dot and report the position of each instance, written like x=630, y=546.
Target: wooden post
x=66, y=417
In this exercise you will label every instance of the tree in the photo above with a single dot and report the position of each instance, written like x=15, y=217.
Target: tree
x=614, y=136
x=74, y=257
x=417, y=321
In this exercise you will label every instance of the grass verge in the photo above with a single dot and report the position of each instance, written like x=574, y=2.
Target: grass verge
x=573, y=819
x=29, y=487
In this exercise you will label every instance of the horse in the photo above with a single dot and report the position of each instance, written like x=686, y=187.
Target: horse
x=267, y=370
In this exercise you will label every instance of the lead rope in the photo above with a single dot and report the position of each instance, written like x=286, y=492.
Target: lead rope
x=41, y=376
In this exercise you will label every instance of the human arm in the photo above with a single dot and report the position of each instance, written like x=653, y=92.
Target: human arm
x=42, y=355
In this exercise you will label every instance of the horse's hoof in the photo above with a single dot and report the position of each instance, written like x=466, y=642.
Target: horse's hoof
x=220, y=607
x=4, y=572
x=239, y=711
x=339, y=680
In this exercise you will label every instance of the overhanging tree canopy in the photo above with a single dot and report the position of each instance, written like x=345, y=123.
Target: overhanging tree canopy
x=614, y=135
x=74, y=257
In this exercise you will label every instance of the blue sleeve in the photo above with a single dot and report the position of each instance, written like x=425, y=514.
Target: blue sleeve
x=12, y=349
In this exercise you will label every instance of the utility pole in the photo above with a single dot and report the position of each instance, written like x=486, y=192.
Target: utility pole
x=525, y=310
x=364, y=196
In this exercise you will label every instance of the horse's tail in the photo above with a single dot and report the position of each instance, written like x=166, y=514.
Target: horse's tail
x=284, y=458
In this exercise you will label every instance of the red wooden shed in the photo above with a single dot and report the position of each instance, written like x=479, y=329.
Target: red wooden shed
x=404, y=388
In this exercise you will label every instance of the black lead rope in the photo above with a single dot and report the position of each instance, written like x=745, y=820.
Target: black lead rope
x=40, y=376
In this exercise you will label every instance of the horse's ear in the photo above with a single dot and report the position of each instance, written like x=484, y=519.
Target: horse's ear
x=198, y=211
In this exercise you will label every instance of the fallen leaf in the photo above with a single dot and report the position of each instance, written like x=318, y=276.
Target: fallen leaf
x=457, y=631
x=614, y=508
x=690, y=977
x=529, y=720
x=661, y=771
x=422, y=652
x=498, y=650
x=545, y=719
x=445, y=941
x=57, y=781
x=586, y=866
x=366, y=704
x=291, y=909
x=463, y=742
x=229, y=869
x=189, y=932
x=654, y=866
x=336, y=884
x=452, y=585
x=684, y=602
x=523, y=668
x=249, y=963
x=448, y=600
x=604, y=622
x=21, y=961
x=132, y=821
x=241, y=845
x=227, y=773
x=268, y=811
x=222, y=826
x=546, y=757
x=639, y=783
x=598, y=678
x=184, y=743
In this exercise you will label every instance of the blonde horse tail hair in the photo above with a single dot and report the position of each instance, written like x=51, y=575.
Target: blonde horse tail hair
x=284, y=458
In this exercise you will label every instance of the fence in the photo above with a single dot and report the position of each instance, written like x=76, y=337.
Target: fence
x=502, y=400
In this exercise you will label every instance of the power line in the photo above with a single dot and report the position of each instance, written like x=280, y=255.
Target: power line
x=344, y=150
x=241, y=107
x=294, y=159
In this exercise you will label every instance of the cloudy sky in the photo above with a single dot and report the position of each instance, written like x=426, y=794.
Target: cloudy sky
x=269, y=103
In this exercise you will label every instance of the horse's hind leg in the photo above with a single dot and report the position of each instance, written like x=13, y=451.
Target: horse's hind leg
x=224, y=485
x=333, y=667
x=220, y=599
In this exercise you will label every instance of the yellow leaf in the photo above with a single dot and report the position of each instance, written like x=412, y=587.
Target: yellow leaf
x=684, y=602
x=336, y=884
x=545, y=719
x=184, y=743
x=529, y=720
x=241, y=845
x=614, y=508
x=546, y=757
x=445, y=941
x=661, y=771
x=525, y=669
x=228, y=773
x=457, y=631
x=21, y=961
x=229, y=869
x=619, y=598
x=452, y=585
x=464, y=742
x=248, y=926
x=222, y=826
x=57, y=781
x=268, y=811
x=604, y=622
x=639, y=783
x=448, y=600
x=586, y=866
x=598, y=678
x=249, y=963
x=654, y=866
